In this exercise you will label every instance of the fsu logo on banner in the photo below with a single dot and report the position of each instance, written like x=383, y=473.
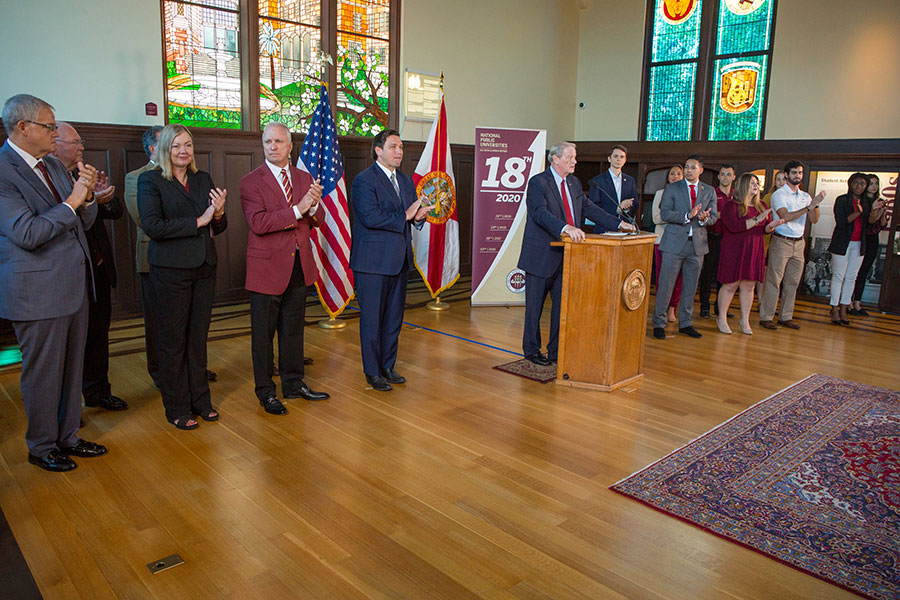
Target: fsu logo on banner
x=738, y=86
x=743, y=7
x=677, y=11
x=436, y=190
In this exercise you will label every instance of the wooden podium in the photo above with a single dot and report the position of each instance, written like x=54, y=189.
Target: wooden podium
x=603, y=313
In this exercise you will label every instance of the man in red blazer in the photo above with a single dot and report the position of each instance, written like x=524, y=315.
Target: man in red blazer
x=280, y=203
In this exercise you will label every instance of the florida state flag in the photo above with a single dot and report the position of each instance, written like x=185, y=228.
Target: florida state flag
x=436, y=245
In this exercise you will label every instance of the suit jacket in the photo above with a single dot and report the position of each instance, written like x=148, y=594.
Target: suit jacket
x=98, y=238
x=275, y=234
x=547, y=217
x=131, y=203
x=602, y=192
x=169, y=216
x=843, y=229
x=43, y=251
x=675, y=205
x=382, y=238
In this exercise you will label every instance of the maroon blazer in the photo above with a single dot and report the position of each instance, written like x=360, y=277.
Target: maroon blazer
x=275, y=233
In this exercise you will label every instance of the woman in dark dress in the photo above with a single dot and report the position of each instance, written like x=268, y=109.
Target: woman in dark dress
x=742, y=260
x=878, y=211
x=181, y=210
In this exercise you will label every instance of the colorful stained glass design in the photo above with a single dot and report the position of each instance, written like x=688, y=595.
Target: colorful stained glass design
x=363, y=76
x=679, y=40
x=290, y=62
x=744, y=26
x=670, y=107
x=203, y=64
x=738, y=97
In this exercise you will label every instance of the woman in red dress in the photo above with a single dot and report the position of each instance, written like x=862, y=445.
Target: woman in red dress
x=745, y=221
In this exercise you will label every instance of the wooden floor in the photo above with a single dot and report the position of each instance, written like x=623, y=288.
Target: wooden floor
x=464, y=483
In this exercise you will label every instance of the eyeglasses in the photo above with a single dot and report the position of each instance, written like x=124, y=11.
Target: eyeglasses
x=47, y=126
x=78, y=142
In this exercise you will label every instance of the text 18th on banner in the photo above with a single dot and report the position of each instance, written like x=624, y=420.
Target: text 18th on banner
x=505, y=159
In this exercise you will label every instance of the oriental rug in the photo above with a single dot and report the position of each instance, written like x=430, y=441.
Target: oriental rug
x=527, y=369
x=809, y=476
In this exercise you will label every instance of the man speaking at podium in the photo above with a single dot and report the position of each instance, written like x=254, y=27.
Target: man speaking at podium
x=555, y=202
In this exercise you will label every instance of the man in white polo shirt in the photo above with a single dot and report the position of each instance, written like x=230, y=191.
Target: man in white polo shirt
x=785, y=266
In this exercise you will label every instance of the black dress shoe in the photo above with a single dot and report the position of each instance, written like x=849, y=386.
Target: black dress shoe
x=307, y=360
x=303, y=391
x=378, y=383
x=704, y=313
x=862, y=312
x=690, y=331
x=211, y=375
x=538, y=359
x=659, y=333
x=393, y=376
x=273, y=406
x=84, y=449
x=108, y=402
x=53, y=461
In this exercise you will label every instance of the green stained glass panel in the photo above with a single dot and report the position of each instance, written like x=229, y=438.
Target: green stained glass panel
x=750, y=32
x=676, y=41
x=738, y=98
x=670, y=107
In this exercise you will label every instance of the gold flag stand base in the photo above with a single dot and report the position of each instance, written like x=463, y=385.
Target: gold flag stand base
x=437, y=305
x=332, y=324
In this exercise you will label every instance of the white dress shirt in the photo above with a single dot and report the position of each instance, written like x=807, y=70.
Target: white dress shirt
x=276, y=171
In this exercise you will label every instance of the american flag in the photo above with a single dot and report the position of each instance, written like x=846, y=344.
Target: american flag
x=321, y=158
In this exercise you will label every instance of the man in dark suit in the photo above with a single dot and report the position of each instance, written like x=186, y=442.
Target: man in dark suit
x=384, y=205
x=45, y=278
x=555, y=204
x=280, y=203
x=612, y=190
x=95, y=384
x=688, y=207
x=150, y=140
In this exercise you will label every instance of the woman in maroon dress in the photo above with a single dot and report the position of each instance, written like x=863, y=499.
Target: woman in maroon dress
x=745, y=221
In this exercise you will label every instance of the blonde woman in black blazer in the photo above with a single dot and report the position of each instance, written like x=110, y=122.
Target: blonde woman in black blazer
x=181, y=210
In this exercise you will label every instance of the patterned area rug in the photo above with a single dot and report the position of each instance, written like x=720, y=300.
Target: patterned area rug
x=809, y=476
x=529, y=370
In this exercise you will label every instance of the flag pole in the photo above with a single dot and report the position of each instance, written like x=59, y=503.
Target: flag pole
x=436, y=304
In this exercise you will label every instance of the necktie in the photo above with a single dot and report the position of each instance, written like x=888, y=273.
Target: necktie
x=565, y=199
x=693, y=187
x=46, y=173
x=286, y=184
x=394, y=183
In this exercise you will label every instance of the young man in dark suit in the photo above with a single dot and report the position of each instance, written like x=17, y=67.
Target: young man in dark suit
x=612, y=190
x=384, y=207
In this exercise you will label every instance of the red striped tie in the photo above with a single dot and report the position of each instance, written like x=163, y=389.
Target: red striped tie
x=286, y=184
x=43, y=169
x=565, y=198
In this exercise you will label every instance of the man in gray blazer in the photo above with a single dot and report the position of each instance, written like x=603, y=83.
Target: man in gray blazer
x=688, y=207
x=45, y=278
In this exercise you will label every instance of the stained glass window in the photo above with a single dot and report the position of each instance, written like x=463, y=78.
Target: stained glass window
x=290, y=61
x=671, y=101
x=363, y=73
x=203, y=66
x=737, y=36
x=740, y=79
x=673, y=69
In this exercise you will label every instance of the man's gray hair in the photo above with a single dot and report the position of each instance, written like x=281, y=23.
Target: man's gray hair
x=151, y=138
x=286, y=129
x=558, y=149
x=21, y=107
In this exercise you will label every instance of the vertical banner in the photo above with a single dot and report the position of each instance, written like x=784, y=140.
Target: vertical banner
x=505, y=159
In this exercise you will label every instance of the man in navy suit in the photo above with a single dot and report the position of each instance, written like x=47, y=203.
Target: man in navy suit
x=612, y=190
x=689, y=208
x=384, y=207
x=555, y=204
x=45, y=278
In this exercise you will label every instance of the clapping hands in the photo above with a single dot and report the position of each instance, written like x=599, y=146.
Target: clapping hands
x=216, y=208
